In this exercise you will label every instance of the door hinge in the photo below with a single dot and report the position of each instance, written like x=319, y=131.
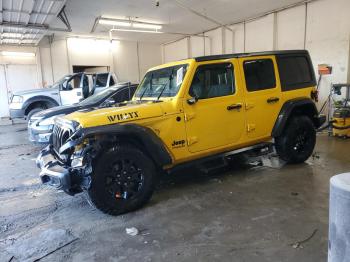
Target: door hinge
x=192, y=140
x=188, y=116
x=250, y=127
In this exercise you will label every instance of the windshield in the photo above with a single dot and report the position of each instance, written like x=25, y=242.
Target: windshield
x=164, y=82
x=61, y=81
x=98, y=97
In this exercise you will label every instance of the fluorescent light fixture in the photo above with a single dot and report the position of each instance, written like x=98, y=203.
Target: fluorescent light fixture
x=114, y=22
x=136, y=30
x=23, y=54
x=146, y=26
x=129, y=23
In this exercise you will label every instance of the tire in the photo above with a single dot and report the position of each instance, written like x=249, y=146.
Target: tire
x=33, y=111
x=297, y=141
x=123, y=180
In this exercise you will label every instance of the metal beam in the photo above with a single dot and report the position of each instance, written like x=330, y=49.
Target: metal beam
x=24, y=12
x=33, y=26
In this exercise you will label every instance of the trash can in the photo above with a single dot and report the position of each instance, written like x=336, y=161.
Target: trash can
x=339, y=219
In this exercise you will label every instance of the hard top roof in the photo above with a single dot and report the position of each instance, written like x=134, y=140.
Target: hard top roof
x=237, y=55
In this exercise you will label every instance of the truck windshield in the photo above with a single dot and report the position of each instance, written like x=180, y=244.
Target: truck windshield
x=164, y=82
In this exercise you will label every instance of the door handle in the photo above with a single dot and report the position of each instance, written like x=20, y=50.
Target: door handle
x=234, y=107
x=272, y=100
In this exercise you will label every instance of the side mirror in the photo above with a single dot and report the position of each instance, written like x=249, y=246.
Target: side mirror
x=192, y=100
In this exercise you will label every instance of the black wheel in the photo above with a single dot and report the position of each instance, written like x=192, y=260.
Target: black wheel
x=297, y=141
x=33, y=111
x=123, y=180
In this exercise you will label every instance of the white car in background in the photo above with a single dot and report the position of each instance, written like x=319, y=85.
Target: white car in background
x=69, y=90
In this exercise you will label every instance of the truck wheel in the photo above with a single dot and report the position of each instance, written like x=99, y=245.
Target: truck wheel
x=33, y=111
x=123, y=180
x=297, y=141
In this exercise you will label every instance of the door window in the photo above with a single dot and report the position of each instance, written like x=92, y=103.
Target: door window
x=212, y=81
x=74, y=82
x=259, y=74
x=101, y=80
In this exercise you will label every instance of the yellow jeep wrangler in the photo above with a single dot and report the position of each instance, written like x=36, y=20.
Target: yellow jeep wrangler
x=182, y=112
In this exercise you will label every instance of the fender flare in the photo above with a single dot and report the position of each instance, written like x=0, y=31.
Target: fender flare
x=287, y=111
x=35, y=99
x=150, y=142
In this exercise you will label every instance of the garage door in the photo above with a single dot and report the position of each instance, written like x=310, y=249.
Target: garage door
x=22, y=77
x=4, y=109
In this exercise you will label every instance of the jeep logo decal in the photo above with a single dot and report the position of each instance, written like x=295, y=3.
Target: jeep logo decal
x=124, y=116
x=178, y=143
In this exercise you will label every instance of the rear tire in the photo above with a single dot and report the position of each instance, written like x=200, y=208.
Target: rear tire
x=297, y=141
x=123, y=180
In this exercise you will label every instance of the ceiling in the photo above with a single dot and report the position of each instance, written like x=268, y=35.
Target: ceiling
x=24, y=22
x=174, y=15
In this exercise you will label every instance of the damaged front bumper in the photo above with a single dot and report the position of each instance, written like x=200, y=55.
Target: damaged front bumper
x=58, y=174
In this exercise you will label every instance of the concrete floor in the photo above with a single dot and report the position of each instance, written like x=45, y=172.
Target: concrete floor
x=246, y=214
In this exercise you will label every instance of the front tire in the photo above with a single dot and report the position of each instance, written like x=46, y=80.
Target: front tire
x=34, y=111
x=123, y=180
x=297, y=141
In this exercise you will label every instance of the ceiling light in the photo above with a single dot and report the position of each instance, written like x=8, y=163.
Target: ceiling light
x=23, y=54
x=146, y=26
x=135, y=30
x=114, y=22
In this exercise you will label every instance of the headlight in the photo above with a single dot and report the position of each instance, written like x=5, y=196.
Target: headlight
x=17, y=99
x=49, y=121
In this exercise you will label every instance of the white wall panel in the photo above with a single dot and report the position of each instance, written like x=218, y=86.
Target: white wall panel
x=291, y=28
x=46, y=69
x=197, y=46
x=125, y=61
x=327, y=39
x=149, y=56
x=259, y=34
x=216, y=41
x=4, y=108
x=238, y=38
x=229, y=41
x=176, y=51
x=59, y=58
x=89, y=52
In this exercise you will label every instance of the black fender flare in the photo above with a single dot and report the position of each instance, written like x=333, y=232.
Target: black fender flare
x=287, y=110
x=35, y=99
x=150, y=142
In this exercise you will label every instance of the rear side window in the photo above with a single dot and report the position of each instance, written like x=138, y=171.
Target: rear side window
x=259, y=74
x=295, y=72
x=111, y=81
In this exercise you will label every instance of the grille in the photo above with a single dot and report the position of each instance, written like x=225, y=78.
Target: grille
x=60, y=136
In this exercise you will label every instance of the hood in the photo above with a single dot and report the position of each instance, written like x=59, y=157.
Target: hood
x=114, y=115
x=58, y=110
x=35, y=91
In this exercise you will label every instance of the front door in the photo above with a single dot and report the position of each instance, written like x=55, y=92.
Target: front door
x=216, y=117
x=262, y=95
x=71, y=91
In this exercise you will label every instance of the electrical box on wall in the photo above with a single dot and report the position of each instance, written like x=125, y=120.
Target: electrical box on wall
x=324, y=69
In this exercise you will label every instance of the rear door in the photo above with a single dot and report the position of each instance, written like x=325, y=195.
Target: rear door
x=262, y=95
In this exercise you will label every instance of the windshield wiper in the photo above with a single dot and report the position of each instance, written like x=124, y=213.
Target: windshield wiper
x=164, y=86
x=150, y=86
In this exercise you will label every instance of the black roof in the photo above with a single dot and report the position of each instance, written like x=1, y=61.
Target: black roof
x=237, y=55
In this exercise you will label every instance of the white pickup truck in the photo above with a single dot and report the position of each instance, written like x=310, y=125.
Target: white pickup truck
x=69, y=90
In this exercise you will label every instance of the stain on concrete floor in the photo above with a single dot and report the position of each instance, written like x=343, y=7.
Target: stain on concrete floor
x=243, y=214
